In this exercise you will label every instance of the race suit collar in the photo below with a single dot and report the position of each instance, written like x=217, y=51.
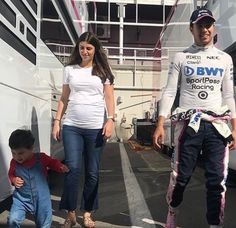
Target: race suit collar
x=202, y=48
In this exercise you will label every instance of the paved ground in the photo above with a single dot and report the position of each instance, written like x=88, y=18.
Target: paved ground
x=132, y=193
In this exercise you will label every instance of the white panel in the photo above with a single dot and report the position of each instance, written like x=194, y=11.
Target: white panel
x=16, y=30
x=177, y=35
x=26, y=92
x=225, y=14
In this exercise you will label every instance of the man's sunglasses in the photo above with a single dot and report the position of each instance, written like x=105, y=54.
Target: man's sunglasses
x=205, y=24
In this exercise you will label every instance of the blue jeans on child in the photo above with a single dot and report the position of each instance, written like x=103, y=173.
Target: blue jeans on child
x=81, y=144
x=33, y=197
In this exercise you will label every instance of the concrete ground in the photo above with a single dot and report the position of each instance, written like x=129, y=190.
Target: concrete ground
x=132, y=193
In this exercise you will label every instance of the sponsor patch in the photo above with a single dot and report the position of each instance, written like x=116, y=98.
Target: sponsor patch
x=213, y=57
x=203, y=95
x=203, y=71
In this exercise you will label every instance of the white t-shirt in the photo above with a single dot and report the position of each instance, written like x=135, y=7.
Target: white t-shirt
x=86, y=105
x=205, y=75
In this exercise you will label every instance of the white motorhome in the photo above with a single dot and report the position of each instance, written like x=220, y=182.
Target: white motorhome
x=225, y=14
x=32, y=34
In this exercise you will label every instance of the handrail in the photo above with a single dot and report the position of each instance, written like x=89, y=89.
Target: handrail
x=131, y=48
x=137, y=58
x=124, y=23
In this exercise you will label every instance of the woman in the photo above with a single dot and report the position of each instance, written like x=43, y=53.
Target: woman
x=88, y=81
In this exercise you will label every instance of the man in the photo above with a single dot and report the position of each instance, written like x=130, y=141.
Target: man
x=205, y=76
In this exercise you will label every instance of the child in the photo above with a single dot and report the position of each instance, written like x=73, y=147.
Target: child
x=28, y=173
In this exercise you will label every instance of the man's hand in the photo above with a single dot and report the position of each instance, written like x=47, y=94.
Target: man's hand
x=232, y=145
x=158, y=137
x=159, y=134
x=17, y=182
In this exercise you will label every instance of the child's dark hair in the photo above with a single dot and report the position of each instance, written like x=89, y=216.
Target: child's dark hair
x=21, y=139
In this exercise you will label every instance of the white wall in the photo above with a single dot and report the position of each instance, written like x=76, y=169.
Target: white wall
x=141, y=97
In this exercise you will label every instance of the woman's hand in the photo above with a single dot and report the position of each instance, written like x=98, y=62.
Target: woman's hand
x=56, y=131
x=110, y=105
x=62, y=105
x=107, y=129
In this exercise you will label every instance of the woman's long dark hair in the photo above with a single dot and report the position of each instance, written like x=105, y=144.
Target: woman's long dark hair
x=101, y=67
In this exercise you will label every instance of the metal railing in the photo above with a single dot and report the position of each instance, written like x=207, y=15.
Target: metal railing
x=131, y=55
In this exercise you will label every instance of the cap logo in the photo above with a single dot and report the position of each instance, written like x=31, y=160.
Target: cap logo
x=200, y=13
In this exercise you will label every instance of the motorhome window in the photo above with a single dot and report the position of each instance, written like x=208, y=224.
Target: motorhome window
x=9, y=37
x=26, y=13
x=22, y=27
x=53, y=32
x=31, y=37
x=33, y=5
x=8, y=13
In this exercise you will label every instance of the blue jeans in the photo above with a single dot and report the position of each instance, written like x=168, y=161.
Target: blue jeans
x=33, y=197
x=81, y=144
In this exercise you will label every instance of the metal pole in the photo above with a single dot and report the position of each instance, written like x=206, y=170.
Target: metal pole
x=121, y=15
x=109, y=10
x=164, y=12
x=135, y=67
x=121, y=39
x=117, y=23
x=95, y=16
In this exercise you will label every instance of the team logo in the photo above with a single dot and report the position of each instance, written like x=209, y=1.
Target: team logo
x=203, y=95
x=188, y=71
x=203, y=71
